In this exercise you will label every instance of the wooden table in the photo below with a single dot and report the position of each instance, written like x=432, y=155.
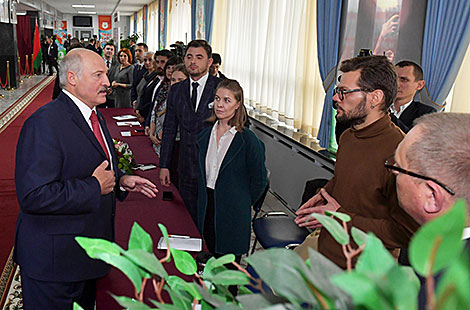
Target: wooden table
x=145, y=211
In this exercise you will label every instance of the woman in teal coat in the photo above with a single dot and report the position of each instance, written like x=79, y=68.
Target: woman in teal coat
x=231, y=175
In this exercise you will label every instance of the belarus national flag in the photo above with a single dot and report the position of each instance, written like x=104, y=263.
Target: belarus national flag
x=37, y=54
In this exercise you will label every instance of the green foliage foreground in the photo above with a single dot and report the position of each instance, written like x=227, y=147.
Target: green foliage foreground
x=377, y=282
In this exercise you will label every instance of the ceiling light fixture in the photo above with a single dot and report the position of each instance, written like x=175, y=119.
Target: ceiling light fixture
x=85, y=6
x=86, y=12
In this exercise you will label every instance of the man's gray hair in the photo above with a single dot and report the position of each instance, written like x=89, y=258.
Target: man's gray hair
x=71, y=62
x=149, y=53
x=443, y=150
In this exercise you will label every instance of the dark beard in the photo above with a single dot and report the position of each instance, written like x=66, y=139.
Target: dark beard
x=355, y=117
x=160, y=72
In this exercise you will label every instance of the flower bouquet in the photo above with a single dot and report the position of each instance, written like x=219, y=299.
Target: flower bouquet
x=126, y=160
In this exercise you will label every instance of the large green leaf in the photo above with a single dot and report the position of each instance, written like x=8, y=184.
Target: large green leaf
x=362, y=289
x=147, y=261
x=284, y=271
x=184, y=262
x=130, y=303
x=254, y=301
x=455, y=279
x=94, y=246
x=140, y=239
x=77, y=306
x=333, y=227
x=342, y=216
x=403, y=289
x=178, y=284
x=217, y=262
x=448, y=229
x=231, y=277
x=358, y=235
x=321, y=270
x=375, y=259
x=181, y=301
x=126, y=266
x=210, y=298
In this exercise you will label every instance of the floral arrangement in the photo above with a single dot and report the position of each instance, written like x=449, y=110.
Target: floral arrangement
x=126, y=160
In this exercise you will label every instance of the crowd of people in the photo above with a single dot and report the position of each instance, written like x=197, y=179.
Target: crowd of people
x=388, y=181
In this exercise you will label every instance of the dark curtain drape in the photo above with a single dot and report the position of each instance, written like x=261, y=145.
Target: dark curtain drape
x=24, y=39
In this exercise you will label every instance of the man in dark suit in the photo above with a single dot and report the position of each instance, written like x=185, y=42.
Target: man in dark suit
x=113, y=66
x=404, y=110
x=139, y=70
x=431, y=165
x=189, y=104
x=52, y=55
x=67, y=181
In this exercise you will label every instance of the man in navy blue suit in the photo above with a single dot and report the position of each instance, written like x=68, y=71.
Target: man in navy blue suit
x=67, y=181
x=433, y=171
x=139, y=70
x=189, y=105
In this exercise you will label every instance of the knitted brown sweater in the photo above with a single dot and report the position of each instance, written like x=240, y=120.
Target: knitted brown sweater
x=366, y=190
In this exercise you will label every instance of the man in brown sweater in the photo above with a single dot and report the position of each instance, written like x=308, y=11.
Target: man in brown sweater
x=361, y=186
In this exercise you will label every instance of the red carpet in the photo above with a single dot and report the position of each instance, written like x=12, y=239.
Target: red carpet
x=9, y=205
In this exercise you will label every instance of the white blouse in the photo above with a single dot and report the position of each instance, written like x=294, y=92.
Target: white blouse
x=215, y=155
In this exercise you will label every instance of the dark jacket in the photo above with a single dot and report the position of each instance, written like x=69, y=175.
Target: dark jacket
x=412, y=112
x=241, y=181
x=59, y=199
x=138, y=74
x=145, y=102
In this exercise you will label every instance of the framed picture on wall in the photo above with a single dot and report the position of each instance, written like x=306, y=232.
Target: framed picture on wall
x=4, y=11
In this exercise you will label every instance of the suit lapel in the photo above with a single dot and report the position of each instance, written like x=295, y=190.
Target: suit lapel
x=206, y=96
x=80, y=121
x=109, y=142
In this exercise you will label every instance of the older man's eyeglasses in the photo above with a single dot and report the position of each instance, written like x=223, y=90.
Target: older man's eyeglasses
x=340, y=92
x=392, y=166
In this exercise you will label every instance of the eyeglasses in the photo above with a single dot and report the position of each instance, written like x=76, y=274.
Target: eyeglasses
x=341, y=92
x=391, y=165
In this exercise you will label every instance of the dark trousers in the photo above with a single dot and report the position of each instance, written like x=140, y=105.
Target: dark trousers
x=188, y=191
x=53, y=63
x=57, y=295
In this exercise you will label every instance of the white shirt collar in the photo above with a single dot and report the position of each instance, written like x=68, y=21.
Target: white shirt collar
x=84, y=109
x=402, y=108
x=202, y=81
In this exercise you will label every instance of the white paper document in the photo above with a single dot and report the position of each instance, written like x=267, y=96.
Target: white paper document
x=124, y=117
x=128, y=123
x=125, y=133
x=184, y=243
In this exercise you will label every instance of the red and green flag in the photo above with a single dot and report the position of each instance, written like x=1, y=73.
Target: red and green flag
x=37, y=54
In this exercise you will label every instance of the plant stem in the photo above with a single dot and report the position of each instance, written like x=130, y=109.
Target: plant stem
x=445, y=295
x=158, y=289
x=142, y=288
x=200, y=281
x=430, y=294
x=318, y=296
x=243, y=270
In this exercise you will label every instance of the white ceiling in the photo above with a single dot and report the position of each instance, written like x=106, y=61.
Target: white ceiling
x=102, y=7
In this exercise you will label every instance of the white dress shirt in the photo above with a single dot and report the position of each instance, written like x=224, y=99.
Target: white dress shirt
x=402, y=108
x=86, y=112
x=216, y=154
x=200, y=89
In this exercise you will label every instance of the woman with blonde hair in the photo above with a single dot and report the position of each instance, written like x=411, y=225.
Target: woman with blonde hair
x=231, y=175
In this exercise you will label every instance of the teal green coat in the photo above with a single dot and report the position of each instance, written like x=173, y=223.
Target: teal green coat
x=241, y=181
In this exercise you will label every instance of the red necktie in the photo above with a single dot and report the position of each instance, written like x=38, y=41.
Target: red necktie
x=97, y=131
